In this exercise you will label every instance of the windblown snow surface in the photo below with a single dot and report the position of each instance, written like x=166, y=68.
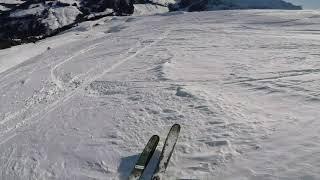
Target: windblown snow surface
x=244, y=85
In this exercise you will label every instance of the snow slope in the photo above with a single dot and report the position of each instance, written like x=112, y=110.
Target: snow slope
x=243, y=85
x=34, y=19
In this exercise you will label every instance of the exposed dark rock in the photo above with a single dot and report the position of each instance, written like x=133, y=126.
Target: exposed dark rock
x=36, y=19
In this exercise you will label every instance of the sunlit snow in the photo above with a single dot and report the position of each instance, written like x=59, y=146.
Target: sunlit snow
x=244, y=85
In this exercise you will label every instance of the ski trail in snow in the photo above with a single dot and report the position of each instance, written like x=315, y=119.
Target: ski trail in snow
x=14, y=115
x=54, y=77
x=9, y=117
x=183, y=79
x=77, y=77
x=41, y=114
x=6, y=166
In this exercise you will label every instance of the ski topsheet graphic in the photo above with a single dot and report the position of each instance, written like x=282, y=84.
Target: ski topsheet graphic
x=144, y=158
x=167, y=151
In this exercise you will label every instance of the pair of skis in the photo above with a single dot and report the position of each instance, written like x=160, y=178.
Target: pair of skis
x=165, y=155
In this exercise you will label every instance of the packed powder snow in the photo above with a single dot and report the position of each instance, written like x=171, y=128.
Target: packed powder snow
x=244, y=85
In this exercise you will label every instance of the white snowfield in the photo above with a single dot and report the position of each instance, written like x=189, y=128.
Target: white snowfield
x=244, y=85
x=148, y=9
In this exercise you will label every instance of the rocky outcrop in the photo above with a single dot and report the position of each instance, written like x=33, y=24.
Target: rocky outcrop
x=36, y=19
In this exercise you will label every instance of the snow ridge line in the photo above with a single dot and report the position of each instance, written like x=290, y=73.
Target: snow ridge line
x=54, y=78
x=69, y=95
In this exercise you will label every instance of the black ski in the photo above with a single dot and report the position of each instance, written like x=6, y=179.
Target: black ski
x=167, y=151
x=144, y=158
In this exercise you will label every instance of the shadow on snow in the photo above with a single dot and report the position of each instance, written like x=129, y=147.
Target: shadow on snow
x=127, y=164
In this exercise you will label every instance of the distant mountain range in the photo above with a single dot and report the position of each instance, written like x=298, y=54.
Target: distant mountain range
x=199, y=5
x=29, y=20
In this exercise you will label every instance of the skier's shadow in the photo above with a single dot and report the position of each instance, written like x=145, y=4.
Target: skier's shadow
x=127, y=164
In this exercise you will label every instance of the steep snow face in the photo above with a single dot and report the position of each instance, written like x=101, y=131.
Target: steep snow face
x=244, y=85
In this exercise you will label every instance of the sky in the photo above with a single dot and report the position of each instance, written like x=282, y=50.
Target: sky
x=307, y=4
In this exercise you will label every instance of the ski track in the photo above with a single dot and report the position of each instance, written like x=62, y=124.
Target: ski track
x=14, y=115
x=11, y=72
x=69, y=95
x=54, y=78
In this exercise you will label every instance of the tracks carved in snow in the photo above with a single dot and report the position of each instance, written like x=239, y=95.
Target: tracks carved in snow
x=6, y=134
x=54, y=78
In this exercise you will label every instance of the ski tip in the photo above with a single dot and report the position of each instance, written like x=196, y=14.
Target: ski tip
x=176, y=126
x=155, y=137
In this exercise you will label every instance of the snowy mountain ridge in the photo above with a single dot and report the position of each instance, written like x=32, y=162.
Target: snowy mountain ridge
x=31, y=20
